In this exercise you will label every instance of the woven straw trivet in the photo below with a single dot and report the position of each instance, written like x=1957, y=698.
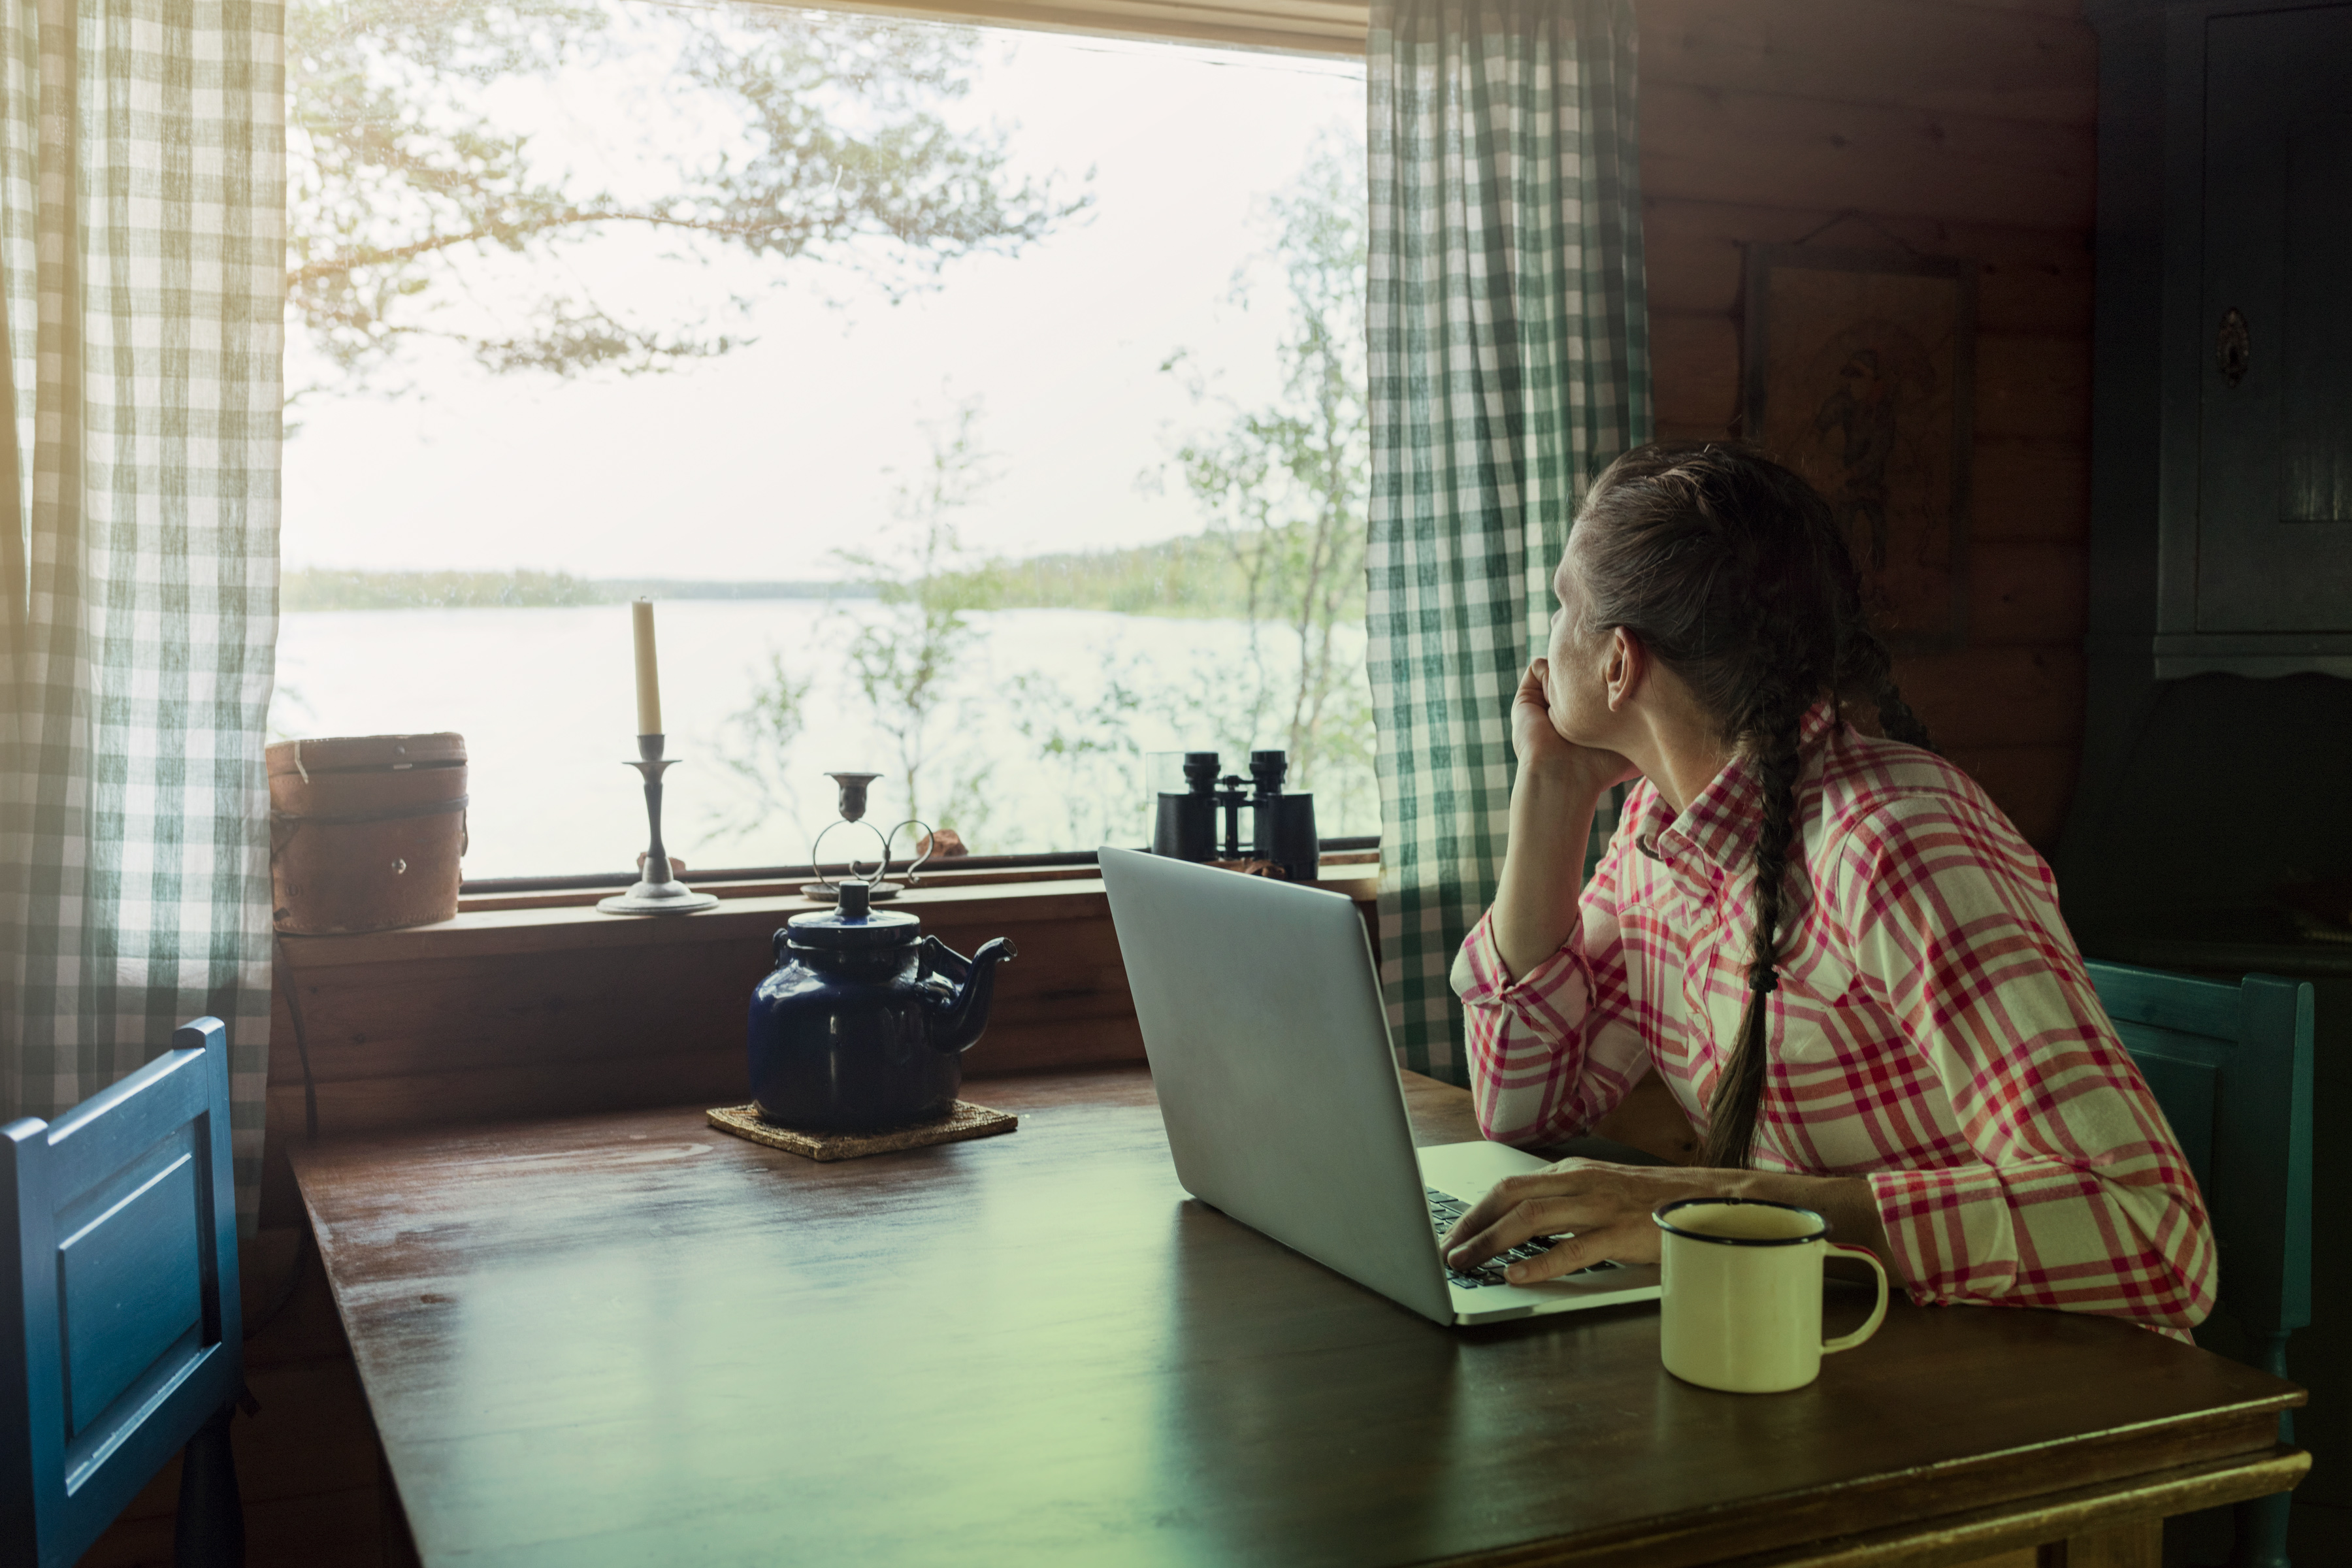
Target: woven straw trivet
x=966, y=1120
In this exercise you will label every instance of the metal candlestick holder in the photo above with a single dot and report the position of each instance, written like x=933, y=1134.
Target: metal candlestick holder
x=877, y=883
x=658, y=892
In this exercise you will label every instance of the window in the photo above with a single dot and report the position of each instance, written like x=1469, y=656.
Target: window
x=982, y=408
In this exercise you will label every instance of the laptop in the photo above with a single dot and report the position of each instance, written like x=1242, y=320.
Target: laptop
x=1269, y=1048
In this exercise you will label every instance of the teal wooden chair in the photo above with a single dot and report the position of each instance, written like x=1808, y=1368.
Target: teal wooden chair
x=120, y=1335
x=2230, y=1065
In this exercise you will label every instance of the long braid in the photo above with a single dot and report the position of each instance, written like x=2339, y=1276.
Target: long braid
x=1895, y=720
x=1863, y=671
x=1775, y=724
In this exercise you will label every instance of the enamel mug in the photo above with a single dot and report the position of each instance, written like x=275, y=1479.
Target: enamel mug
x=1741, y=1307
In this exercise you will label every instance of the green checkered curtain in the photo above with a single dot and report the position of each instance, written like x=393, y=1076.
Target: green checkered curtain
x=1509, y=361
x=143, y=228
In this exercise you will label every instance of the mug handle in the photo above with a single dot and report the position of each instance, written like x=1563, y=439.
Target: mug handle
x=1877, y=1314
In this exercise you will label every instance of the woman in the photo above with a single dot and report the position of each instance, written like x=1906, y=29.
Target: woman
x=1838, y=953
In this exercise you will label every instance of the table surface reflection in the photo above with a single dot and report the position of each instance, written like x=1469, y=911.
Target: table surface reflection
x=630, y=1338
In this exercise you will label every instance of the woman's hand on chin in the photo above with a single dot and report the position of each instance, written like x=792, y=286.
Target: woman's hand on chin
x=1606, y=1206
x=1542, y=748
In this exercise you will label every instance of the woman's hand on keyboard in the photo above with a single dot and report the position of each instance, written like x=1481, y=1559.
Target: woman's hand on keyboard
x=1603, y=1209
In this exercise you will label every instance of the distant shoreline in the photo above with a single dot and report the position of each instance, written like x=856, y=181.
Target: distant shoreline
x=1193, y=577
x=313, y=588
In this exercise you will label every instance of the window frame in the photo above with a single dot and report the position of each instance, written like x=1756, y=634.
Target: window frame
x=1338, y=28
x=1325, y=29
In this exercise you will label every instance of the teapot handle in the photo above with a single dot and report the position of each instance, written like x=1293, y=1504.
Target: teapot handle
x=938, y=958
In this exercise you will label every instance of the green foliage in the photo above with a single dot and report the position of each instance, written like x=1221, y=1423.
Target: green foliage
x=759, y=738
x=905, y=664
x=399, y=165
x=1194, y=576
x=908, y=663
x=1093, y=742
x=1094, y=748
x=317, y=589
x=1284, y=485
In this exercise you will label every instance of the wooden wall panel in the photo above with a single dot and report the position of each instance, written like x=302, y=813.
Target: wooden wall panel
x=2038, y=388
x=2031, y=281
x=1939, y=129
x=368, y=1022
x=2029, y=389
x=1980, y=698
x=2067, y=8
x=2027, y=592
x=2028, y=66
x=1708, y=144
x=2033, y=784
x=2031, y=489
x=1694, y=371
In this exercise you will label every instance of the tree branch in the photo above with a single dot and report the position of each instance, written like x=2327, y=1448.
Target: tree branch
x=343, y=266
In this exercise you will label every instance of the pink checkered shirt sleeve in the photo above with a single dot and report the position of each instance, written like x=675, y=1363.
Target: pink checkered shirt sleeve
x=1553, y=1050
x=2072, y=1191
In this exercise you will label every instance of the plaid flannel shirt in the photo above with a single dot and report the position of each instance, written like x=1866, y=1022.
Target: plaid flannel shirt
x=1934, y=1030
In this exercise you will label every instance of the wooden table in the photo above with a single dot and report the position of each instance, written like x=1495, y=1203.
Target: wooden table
x=630, y=1338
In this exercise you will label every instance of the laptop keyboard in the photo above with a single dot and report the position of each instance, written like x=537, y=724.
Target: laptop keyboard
x=1445, y=1208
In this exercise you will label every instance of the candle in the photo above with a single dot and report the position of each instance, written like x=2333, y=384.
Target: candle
x=648, y=679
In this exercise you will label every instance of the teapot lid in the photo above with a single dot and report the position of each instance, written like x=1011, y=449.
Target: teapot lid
x=854, y=923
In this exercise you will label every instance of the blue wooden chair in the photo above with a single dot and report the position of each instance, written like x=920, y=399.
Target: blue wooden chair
x=2230, y=1065
x=120, y=1335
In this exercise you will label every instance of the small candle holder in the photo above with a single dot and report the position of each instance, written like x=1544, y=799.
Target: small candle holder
x=656, y=892
x=877, y=883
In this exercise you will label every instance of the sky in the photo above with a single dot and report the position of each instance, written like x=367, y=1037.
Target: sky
x=758, y=465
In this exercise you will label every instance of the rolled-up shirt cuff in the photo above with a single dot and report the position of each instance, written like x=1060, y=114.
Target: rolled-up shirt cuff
x=1949, y=1231
x=1954, y=1236
x=1482, y=980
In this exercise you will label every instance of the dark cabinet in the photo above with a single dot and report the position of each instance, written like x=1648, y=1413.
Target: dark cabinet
x=2271, y=533
x=2222, y=461
x=2221, y=552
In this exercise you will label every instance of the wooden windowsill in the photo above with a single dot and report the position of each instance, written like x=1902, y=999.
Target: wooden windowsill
x=1338, y=865
x=551, y=922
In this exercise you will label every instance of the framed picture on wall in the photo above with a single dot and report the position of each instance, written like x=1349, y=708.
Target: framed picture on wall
x=1859, y=374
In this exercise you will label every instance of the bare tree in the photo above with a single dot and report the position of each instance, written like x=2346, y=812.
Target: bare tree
x=402, y=167
x=910, y=665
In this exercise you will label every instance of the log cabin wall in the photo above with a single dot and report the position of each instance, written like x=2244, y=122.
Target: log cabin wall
x=1962, y=129
x=1954, y=130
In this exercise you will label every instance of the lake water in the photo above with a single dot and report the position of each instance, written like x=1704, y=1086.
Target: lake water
x=546, y=701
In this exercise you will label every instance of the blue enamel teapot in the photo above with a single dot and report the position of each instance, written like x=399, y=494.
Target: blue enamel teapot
x=864, y=1022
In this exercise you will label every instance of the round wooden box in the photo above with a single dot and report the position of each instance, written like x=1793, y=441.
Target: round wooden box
x=365, y=832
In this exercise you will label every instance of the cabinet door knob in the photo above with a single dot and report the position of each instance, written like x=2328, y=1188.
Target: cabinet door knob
x=2233, y=347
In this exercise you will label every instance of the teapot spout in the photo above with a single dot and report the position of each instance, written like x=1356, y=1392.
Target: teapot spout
x=962, y=1011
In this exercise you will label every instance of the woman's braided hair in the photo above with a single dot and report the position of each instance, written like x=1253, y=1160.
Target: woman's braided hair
x=1735, y=574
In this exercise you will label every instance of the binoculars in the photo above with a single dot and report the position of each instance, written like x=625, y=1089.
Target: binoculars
x=1282, y=826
